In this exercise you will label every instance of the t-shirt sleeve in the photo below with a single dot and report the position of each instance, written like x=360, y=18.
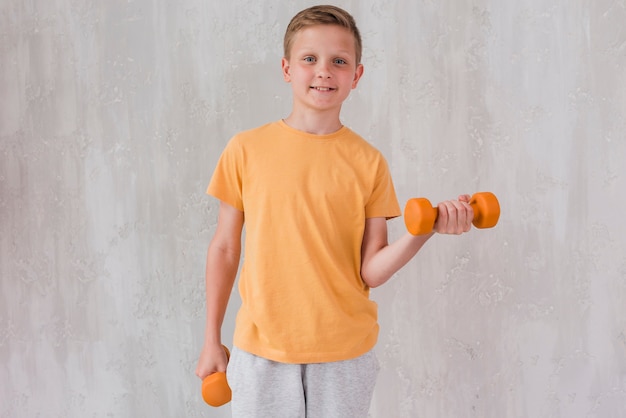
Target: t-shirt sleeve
x=383, y=201
x=226, y=183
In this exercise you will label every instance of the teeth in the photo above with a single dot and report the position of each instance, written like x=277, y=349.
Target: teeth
x=323, y=88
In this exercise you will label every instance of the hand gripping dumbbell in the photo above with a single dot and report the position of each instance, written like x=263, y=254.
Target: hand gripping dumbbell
x=420, y=215
x=215, y=389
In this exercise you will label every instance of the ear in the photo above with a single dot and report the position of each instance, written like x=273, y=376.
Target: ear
x=358, y=73
x=285, y=66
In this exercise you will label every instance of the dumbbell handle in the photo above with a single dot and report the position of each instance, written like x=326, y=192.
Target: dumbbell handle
x=420, y=215
x=215, y=389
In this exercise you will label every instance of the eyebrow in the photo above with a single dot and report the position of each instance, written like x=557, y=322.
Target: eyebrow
x=311, y=50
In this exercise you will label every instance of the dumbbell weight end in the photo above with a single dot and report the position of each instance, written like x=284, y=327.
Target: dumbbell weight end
x=215, y=389
x=486, y=209
x=419, y=216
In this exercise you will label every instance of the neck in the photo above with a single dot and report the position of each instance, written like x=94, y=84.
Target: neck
x=317, y=124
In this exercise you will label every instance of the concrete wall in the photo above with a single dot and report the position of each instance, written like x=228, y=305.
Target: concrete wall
x=112, y=116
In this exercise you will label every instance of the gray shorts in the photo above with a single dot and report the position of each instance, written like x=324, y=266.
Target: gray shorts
x=263, y=388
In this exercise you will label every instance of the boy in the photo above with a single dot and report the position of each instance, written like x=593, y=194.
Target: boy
x=315, y=198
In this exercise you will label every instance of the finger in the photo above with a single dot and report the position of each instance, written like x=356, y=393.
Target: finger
x=442, y=218
x=465, y=198
x=201, y=373
x=451, y=216
x=465, y=216
x=460, y=217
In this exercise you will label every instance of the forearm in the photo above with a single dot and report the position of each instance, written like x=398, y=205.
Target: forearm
x=384, y=263
x=221, y=271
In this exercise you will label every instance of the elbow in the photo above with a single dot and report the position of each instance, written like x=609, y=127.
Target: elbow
x=375, y=269
x=373, y=285
x=372, y=280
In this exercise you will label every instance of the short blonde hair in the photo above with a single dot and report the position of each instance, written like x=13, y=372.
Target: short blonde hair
x=322, y=15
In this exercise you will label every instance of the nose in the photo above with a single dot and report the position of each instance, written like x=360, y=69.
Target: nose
x=323, y=71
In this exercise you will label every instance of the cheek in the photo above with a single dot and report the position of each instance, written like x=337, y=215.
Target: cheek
x=300, y=74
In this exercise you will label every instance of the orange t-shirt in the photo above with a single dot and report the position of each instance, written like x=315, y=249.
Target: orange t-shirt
x=305, y=199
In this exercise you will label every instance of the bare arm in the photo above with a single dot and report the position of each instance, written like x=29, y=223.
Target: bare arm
x=221, y=270
x=381, y=260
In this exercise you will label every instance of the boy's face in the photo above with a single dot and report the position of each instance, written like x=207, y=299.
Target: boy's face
x=322, y=67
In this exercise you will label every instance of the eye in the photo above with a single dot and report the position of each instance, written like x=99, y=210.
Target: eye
x=309, y=59
x=340, y=61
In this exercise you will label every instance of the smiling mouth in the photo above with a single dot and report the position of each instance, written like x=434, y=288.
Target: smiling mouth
x=322, y=88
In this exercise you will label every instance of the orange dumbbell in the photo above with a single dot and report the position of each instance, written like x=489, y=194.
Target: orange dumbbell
x=420, y=215
x=215, y=389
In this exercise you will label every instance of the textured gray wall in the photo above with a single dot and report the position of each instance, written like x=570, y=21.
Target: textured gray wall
x=112, y=116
